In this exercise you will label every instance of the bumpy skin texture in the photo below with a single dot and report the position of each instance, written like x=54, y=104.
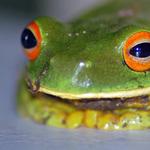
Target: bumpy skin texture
x=85, y=56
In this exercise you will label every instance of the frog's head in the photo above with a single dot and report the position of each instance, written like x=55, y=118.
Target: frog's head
x=93, y=59
x=40, y=44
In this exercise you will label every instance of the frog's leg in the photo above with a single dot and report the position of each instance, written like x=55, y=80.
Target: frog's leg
x=58, y=114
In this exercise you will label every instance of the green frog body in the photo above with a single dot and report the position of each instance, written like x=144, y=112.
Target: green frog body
x=92, y=71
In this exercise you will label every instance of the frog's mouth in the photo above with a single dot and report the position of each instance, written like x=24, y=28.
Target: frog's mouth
x=131, y=99
x=36, y=87
x=142, y=103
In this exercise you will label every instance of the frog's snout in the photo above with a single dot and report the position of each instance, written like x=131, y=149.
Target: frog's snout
x=33, y=87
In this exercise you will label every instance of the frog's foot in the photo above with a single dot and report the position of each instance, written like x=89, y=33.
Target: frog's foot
x=52, y=112
x=33, y=88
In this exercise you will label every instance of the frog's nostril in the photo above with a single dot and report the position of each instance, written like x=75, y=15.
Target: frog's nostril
x=33, y=87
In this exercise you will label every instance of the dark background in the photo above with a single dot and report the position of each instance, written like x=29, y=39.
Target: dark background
x=17, y=133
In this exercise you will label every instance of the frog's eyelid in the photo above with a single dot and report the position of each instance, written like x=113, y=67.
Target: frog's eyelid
x=137, y=38
x=136, y=63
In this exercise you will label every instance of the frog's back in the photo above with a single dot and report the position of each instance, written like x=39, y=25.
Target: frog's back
x=112, y=17
x=115, y=8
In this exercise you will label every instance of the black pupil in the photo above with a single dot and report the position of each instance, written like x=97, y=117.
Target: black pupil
x=141, y=50
x=28, y=39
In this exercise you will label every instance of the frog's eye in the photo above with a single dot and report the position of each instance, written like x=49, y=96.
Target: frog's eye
x=31, y=41
x=136, y=51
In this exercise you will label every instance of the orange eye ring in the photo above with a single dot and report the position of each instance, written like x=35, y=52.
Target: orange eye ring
x=136, y=63
x=33, y=51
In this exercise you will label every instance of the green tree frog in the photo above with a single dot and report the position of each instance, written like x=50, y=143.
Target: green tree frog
x=92, y=71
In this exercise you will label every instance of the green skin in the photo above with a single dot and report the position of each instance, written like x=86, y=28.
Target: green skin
x=85, y=55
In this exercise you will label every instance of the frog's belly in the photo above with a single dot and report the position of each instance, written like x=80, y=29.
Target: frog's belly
x=107, y=114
